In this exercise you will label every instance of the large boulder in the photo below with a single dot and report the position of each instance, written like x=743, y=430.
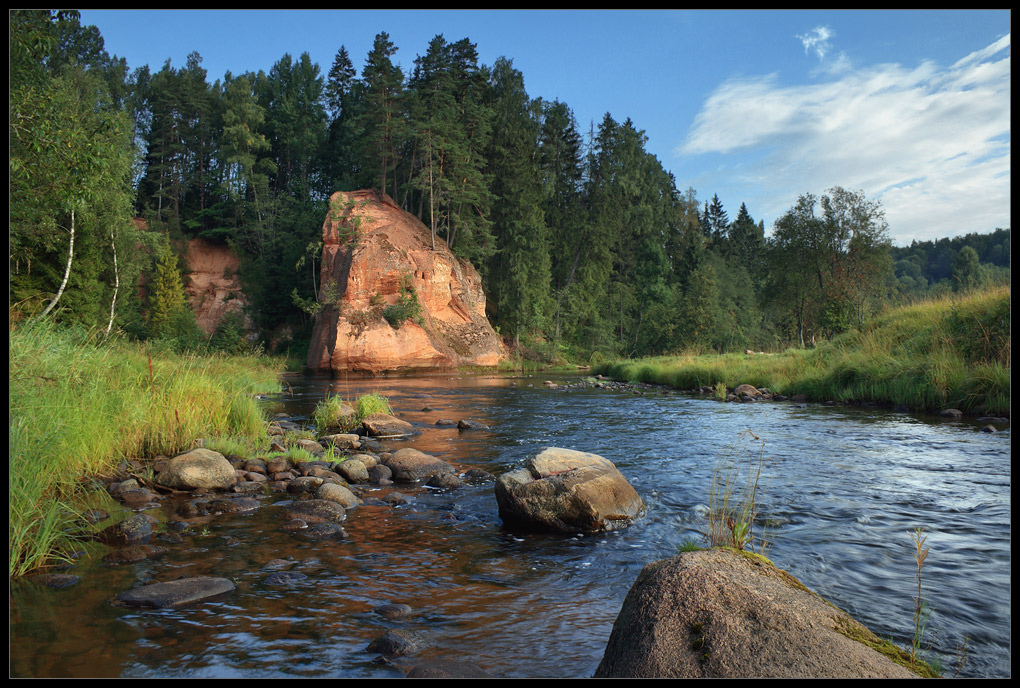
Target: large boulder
x=567, y=491
x=377, y=257
x=197, y=469
x=726, y=614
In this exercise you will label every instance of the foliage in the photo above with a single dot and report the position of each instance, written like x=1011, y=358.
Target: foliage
x=947, y=352
x=407, y=307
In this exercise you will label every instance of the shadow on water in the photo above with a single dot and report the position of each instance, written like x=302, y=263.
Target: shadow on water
x=841, y=489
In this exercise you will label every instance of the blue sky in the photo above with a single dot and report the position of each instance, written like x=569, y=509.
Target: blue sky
x=759, y=107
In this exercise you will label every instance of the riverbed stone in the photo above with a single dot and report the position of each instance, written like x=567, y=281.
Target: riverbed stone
x=177, y=593
x=393, y=611
x=445, y=481
x=317, y=511
x=380, y=475
x=342, y=441
x=234, y=506
x=56, y=581
x=411, y=465
x=321, y=531
x=726, y=614
x=304, y=483
x=198, y=469
x=284, y=578
x=398, y=642
x=746, y=391
x=446, y=668
x=465, y=424
x=133, y=554
x=385, y=425
x=337, y=493
x=132, y=530
x=353, y=471
x=563, y=490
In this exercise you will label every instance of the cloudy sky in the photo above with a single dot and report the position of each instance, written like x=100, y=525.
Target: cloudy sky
x=758, y=107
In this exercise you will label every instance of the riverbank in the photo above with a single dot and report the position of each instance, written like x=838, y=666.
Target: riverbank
x=945, y=353
x=78, y=407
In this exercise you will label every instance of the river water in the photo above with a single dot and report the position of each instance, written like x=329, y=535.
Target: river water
x=841, y=491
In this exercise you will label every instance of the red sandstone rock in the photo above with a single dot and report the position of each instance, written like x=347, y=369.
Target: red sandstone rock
x=214, y=286
x=372, y=250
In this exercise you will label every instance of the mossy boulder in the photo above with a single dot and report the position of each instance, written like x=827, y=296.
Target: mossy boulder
x=725, y=614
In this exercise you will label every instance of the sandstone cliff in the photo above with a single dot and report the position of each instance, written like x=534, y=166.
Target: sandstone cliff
x=214, y=287
x=377, y=261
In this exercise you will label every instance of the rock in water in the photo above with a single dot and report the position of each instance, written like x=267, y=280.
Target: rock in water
x=726, y=614
x=198, y=469
x=411, y=465
x=176, y=593
x=377, y=256
x=567, y=491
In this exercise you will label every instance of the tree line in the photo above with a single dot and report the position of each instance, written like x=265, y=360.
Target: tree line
x=585, y=243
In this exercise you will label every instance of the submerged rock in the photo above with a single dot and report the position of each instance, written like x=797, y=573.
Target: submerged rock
x=176, y=593
x=445, y=668
x=134, y=529
x=567, y=491
x=398, y=642
x=131, y=555
x=725, y=614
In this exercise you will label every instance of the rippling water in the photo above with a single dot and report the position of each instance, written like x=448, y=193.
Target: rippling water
x=842, y=489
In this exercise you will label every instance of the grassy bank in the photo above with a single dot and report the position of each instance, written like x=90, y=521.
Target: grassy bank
x=950, y=352
x=78, y=407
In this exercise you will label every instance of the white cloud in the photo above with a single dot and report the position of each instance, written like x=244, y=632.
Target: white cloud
x=931, y=143
x=817, y=41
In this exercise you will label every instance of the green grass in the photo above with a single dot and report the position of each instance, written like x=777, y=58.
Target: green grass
x=78, y=407
x=948, y=352
x=334, y=414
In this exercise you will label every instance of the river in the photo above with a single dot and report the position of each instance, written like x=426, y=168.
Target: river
x=841, y=491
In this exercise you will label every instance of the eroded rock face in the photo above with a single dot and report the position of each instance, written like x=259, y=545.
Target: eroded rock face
x=374, y=255
x=214, y=284
x=567, y=491
x=723, y=614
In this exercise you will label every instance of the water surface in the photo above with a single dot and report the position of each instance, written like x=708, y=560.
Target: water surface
x=841, y=488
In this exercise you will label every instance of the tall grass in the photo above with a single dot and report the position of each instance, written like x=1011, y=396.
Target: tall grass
x=77, y=407
x=733, y=497
x=947, y=352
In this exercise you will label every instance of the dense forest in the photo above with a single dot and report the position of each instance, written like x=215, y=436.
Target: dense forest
x=586, y=245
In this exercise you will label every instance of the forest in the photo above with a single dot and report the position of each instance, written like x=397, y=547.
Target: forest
x=587, y=246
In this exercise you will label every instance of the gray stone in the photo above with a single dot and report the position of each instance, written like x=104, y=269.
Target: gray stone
x=384, y=425
x=411, y=465
x=317, y=511
x=176, y=593
x=198, y=469
x=337, y=493
x=567, y=491
x=398, y=642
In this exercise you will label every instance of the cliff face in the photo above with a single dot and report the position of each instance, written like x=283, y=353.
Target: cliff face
x=214, y=288
x=377, y=258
